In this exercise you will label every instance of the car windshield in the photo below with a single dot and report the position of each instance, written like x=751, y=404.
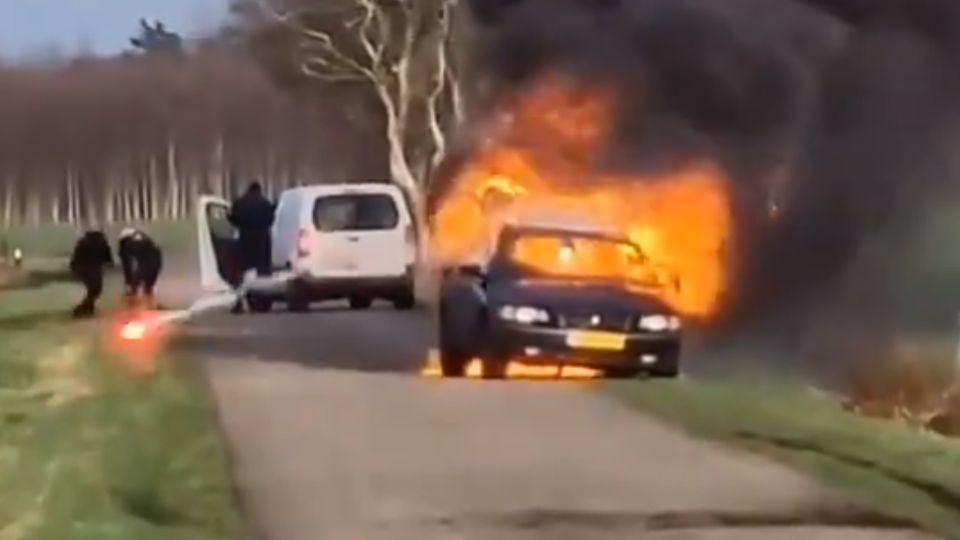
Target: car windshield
x=355, y=212
x=578, y=256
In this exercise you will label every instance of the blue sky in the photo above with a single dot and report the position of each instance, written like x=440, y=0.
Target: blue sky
x=35, y=27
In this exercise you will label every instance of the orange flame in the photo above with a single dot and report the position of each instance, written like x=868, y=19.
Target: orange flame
x=517, y=369
x=137, y=340
x=541, y=166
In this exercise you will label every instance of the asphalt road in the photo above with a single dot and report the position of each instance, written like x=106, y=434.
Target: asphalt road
x=333, y=435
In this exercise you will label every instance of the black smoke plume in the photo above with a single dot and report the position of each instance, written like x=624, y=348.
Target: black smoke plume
x=852, y=104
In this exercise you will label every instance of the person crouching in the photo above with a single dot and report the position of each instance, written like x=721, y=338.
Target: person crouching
x=142, y=261
x=91, y=256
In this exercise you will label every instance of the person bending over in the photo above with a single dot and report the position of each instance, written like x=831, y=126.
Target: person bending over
x=142, y=261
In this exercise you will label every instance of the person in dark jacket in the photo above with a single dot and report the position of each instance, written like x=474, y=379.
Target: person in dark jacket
x=252, y=214
x=91, y=255
x=142, y=261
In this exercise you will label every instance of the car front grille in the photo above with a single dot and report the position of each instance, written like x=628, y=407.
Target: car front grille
x=611, y=322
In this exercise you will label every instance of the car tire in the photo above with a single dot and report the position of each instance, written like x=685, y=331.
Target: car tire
x=360, y=302
x=405, y=301
x=494, y=368
x=453, y=361
x=623, y=373
x=259, y=303
x=668, y=366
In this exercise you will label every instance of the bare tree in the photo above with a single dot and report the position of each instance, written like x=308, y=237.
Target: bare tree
x=402, y=49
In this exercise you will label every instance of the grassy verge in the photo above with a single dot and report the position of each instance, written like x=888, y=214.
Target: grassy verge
x=46, y=241
x=881, y=464
x=89, y=451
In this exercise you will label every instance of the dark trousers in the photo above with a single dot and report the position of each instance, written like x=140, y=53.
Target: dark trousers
x=93, y=283
x=255, y=252
x=143, y=281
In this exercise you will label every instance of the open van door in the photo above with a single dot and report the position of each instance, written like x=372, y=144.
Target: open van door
x=217, y=246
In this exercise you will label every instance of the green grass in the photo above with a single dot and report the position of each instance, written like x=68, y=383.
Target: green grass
x=884, y=465
x=89, y=451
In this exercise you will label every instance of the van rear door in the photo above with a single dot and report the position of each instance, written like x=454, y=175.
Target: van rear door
x=360, y=234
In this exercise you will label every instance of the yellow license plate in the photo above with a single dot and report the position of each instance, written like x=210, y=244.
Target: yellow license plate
x=602, y=341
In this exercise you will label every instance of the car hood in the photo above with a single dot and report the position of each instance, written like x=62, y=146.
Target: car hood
x=565, y=295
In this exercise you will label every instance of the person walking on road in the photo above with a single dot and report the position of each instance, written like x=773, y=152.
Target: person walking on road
x=253, y=214
x=91, y=255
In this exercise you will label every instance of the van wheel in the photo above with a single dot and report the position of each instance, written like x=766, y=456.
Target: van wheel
x=360, y=302
x=405, y=301
x=259, y=304
x=298, y=305
x=296, y=297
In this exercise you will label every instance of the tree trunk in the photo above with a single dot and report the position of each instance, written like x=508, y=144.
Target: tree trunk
x=173, y=182
x=10, y=193
x=33, y=208
x=154, y=191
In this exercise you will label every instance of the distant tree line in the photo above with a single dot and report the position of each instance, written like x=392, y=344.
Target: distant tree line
x=139, y=136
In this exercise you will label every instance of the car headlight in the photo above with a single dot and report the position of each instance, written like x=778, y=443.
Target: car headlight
x=524, y=314
x=659, y=323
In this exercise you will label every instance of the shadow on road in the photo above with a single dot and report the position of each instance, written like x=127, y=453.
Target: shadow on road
x=379, y=339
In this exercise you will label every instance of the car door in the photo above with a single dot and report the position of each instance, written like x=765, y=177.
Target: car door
x=217, y=246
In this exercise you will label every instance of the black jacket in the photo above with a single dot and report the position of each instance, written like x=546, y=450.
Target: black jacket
x=139, y=256
x=252, y=214
x=91, y=254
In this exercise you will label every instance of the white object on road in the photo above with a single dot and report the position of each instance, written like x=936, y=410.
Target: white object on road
x=139, y=328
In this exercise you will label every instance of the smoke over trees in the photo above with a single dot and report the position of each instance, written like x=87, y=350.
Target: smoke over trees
x=137, y=137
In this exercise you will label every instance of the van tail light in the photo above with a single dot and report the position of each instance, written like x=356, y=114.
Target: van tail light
x=303, y=244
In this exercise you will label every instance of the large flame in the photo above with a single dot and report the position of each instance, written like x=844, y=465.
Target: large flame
x=541, y=165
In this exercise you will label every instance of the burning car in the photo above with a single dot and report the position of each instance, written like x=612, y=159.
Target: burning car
x=559, y=295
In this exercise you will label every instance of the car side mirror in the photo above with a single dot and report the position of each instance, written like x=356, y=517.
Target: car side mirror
x=471, y=270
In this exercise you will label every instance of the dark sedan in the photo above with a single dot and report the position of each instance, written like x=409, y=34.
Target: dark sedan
x=559, y=296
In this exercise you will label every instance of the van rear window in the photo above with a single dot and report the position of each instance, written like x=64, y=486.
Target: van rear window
x=355, y=212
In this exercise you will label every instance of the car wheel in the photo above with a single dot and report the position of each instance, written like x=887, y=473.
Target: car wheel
x=453, y=361
x=622, y=373
x=494, y=368
x=259, y=303
x=360, y=302
x=667, y=366
x=405, y=301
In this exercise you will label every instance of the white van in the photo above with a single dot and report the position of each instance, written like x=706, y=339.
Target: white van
x=356, y=241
